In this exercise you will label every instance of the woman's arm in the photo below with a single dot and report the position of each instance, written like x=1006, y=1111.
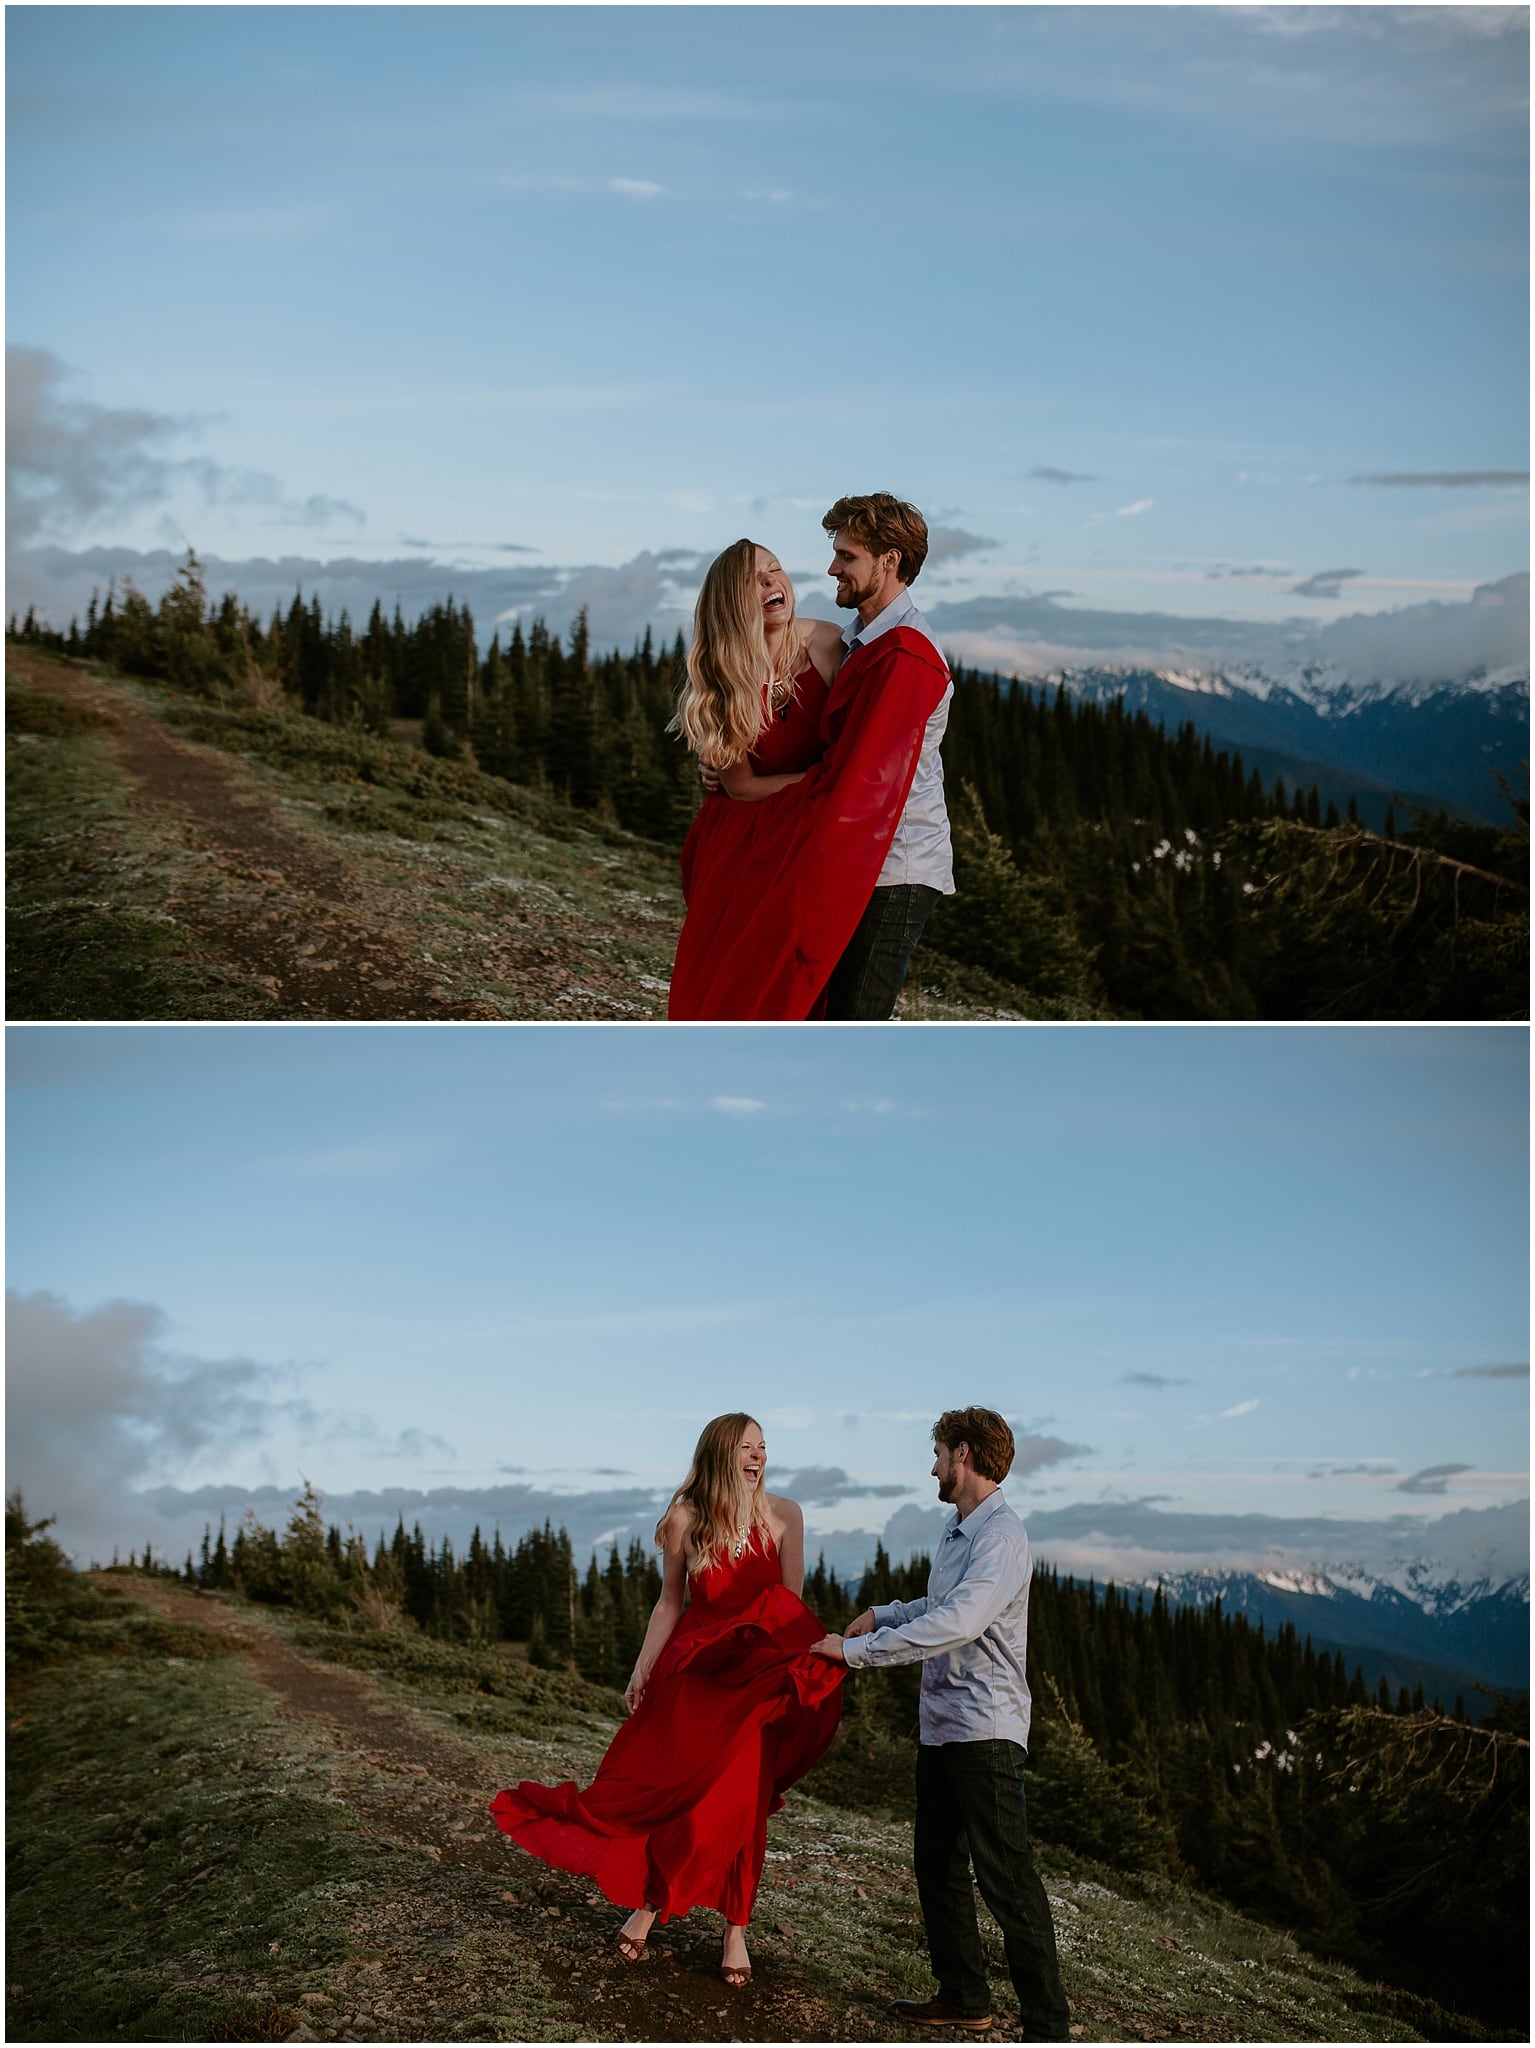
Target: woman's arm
x=791, y=1544
x=667, y=1611
x=748, y=788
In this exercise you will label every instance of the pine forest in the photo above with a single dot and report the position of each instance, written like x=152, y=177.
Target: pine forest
x=1105, y=867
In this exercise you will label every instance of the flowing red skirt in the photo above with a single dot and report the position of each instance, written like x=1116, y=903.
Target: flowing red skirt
x=735, y=1712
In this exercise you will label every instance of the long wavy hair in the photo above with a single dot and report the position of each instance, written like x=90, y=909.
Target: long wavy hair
x=720, y=708
x=721, y=1504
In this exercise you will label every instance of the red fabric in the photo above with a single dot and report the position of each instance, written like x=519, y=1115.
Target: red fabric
x=775, y=889
x=735, y=1712
x=792, y=740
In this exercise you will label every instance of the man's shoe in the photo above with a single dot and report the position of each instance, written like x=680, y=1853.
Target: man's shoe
x=932, y=2012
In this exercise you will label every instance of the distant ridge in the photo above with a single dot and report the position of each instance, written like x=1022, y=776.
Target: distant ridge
x=1445, y=1636
x=1426, y=746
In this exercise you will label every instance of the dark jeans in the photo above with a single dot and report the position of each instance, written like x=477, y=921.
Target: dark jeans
x=970, y=1810
x=871, y=973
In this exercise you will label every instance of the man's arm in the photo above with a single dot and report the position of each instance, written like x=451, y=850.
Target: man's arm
x=997, y=1575
x=742, y=783
x=871, y=1619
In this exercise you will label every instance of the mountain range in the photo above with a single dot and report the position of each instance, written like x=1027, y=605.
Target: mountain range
x=1449, y=1637
x=1443, y=1601
x=1389, y=745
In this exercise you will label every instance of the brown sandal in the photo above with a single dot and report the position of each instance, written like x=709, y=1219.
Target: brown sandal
x=632, y=1946
x=736, y=1975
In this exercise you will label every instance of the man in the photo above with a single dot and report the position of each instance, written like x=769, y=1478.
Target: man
x=879, y=545
x=971, y=1633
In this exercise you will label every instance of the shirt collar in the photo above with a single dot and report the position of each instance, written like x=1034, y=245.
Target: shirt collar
x=976, y=1517
x=856, y=634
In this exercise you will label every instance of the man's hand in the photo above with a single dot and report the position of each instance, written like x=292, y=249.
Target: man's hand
x=829, y=1647
x=710, y=778
x=863, y=1626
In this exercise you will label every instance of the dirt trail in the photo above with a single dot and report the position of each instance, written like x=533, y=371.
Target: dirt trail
x=289, y=914
x=425, y=1793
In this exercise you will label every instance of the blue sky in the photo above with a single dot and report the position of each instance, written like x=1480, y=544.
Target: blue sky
x=1198, y=313
x=1215, y=1272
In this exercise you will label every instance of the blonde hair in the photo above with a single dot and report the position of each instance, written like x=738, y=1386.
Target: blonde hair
x=720, y=709
x=721, y=1506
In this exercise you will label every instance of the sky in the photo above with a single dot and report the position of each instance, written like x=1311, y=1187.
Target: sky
x=1235, y=1289
x=1186, y=327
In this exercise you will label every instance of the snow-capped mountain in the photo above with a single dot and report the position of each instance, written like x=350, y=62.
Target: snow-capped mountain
x=1413, y=1625
x=1352, y=733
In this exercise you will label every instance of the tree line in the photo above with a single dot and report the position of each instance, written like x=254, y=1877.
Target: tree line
x=1103, y=865
x=1170, y=1745
x=1170, y=1742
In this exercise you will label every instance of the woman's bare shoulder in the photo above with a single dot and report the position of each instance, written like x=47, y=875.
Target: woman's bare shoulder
x=677, y=1527
x=788, y=1511
x=824, y=647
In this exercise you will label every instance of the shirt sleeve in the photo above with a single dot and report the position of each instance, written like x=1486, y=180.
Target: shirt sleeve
x=892, y=1614
x=997, y=1574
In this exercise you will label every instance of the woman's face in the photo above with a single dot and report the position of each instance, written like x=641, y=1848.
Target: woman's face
x=774, y=590
x=751, y=1458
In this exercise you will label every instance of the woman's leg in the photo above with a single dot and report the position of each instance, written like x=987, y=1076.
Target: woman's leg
x=635, y=1932
x=735, y=1963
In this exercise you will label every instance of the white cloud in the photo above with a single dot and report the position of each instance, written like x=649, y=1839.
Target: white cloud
x=737, y=1105
x=71, y=463
x=96, y=1403
x=1242, y=1408
x=635, y=188
x=1133, y=511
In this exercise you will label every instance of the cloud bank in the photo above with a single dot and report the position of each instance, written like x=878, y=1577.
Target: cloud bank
x=1037, y=634
x=97, y=1406
x=70, y=464
x=1031, y=634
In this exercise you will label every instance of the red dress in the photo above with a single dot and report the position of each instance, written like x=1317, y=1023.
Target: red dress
x=791, y=739
x=775, y=889
x=735, y=1712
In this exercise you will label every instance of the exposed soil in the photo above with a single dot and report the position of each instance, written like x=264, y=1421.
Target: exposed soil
x=287, y=913
x=420, y=1791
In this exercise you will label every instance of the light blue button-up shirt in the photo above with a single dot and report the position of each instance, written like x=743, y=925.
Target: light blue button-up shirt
x=971, y=1632
x=921, y=850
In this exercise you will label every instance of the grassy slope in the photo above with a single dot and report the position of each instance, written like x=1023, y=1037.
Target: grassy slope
x=87, y=878
x=187, y=1863
x=506, y=897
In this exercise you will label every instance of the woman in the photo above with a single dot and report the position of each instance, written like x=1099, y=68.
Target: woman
x=727, y=1710
x=813, y=771
x=757, y=676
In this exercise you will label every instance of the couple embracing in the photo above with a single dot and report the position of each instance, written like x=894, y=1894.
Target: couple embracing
x=823, y=843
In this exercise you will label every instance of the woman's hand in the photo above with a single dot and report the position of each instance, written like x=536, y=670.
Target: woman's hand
x=634, y=1691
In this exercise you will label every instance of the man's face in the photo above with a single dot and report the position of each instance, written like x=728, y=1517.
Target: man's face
x=946, y=1471
x=858, y=573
